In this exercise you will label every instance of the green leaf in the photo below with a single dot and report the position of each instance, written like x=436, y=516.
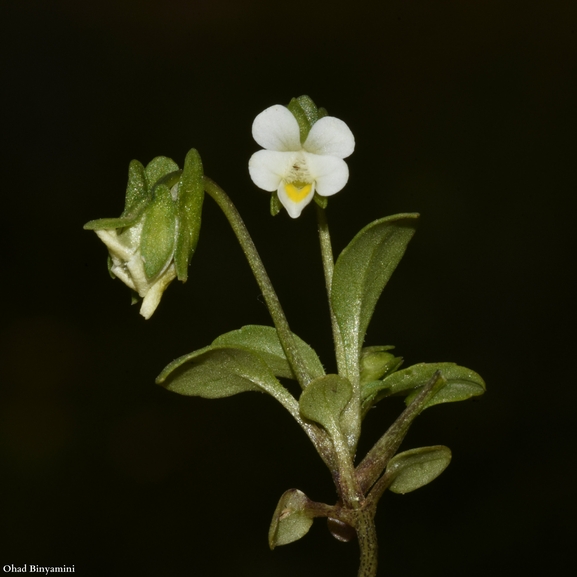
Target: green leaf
x=418, y=467
x=157, y=168
x=216, y=372
x=189, y=212
x=264, y=341
x=361, y=272
x=291, y=519
x=462, y=383
x=325, y=399
x=371, y=467
x=158, y=232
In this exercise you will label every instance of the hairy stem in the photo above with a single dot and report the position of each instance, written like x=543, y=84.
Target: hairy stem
x=367, y=537
x=271, y=299
x=328, y=268
x=318, y=436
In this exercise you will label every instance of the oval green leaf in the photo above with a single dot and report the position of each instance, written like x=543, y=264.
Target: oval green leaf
x=418, y=467
x=291, y=519
x=264, y=341
x=462, y=383
x=361, y=273
x=216, y=372
x=325, y=399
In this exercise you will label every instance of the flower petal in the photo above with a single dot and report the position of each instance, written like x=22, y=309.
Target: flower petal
x=294, y=208
x=154, y=294
x=330, y=136
x=267, y=168
x=277, y=129
x=330, y=173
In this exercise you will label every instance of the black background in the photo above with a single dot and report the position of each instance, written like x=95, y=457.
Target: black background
x=462, y=111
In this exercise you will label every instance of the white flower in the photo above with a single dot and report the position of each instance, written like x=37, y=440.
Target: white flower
x=294, y=170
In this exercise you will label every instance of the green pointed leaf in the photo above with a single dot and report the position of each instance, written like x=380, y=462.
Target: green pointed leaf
x=216, y=372
x=189, y=211
x=137, y=192
x=325, y=399
x=157, y=168
x=264, y=341
x=462, y=383
x=291, y=519
x=418, y=467
x=158, y=232
x=361, y=272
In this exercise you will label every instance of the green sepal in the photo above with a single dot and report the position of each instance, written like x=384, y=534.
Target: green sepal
x=416, y=468
x=275, y=204
x=291, y=519
x=324, y=400
x=170, y=179
x=110, y=264
x=110, y=223
x=137, y=198
x=157, y=168
x=321, y=201
x=462, y=383
x=306, y=113
x=264, y=342
x=361, y=272
x=158, y=232
x=189, y=212
x=323, y=112
x=138, y=194
x=216, y=372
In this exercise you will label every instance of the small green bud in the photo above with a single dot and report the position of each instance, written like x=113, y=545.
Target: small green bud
x=376, y=363
x=152, y=242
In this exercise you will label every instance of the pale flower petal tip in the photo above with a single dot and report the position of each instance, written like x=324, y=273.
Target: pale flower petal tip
x=297, y=170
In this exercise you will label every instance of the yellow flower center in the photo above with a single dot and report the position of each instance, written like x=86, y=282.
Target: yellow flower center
x=296, y=191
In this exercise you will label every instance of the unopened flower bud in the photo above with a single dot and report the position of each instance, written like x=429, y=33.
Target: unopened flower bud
x=154, y=239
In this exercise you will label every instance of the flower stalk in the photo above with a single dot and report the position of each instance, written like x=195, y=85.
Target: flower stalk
x=271, y=299
x=328, y=269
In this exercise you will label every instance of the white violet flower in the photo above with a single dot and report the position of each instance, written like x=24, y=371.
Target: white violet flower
x=294, y=170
